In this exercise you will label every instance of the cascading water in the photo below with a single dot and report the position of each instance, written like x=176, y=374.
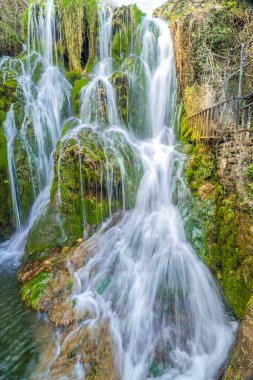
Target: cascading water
x=162, y=302
x=45, y=106
x=44, y=93
x=165, y=314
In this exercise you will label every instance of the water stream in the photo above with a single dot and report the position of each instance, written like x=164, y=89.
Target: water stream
x=165, y=313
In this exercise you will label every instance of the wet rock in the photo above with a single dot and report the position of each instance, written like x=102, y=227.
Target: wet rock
x=241, y=363
x=7, y=96
x=86, y=351
x=120, y=82
x=87, y=187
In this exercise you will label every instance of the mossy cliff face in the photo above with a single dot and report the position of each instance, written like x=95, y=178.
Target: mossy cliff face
x=220, y=227
x=79, y=21
x=7, y=96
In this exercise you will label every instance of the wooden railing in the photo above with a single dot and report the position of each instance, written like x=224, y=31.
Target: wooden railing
x=225, y=119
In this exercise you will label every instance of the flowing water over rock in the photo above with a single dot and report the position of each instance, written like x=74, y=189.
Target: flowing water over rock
x=163, y=310
x=165, y=313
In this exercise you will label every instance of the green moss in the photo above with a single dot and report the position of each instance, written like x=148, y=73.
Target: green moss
x=95, y=211
x=213, y=227
x=73, y=76
x=121, y=85
x=32, y=291
x=10, y=27
x=68, y=215
x=125, y=22
x=120, y=46
x=44, y=235
x=232, y=254
x=7, y=94
x=215, y=224
x=186, y=134
x=249, y=171
x=24, y=179
x=79, y=19
x=78, y=85
x=200, y=167
x=138, y=14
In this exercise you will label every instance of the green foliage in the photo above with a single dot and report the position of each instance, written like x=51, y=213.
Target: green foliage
x=32, y=291
x=200, y=167
x=249, y=171
x=186, y=134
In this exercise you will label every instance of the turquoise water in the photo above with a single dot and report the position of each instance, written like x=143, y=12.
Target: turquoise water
x=19, y=349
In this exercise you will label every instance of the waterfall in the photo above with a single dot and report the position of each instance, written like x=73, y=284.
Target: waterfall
x=45, y=103
x=10, y=132
x=165, y=313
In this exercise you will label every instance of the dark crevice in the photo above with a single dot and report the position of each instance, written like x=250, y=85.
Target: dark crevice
x=85, y=50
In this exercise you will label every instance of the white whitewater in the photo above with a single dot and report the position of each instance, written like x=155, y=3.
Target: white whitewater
x=44, y=106
x=164, y=310
x=10, y=132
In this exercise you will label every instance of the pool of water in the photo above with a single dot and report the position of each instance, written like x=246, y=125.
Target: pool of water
x=20, y=332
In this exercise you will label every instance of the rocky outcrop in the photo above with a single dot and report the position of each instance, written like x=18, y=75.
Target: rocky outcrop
x=89, y=185
x=47, y=286
x=241, y=364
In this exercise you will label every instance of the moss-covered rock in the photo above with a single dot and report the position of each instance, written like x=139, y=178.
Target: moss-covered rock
x=133, y=91
x=32, y=291
x=47, y=286
x=125, y=22
x=79, y=20
x=77, y=86
x=7, y=95
x=120, y=82
x=241, y=363
x=89, y=185
x=23, y=179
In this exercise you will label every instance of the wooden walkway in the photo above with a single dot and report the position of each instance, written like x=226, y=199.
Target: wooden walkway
x=224, y=120
x=232, y=118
